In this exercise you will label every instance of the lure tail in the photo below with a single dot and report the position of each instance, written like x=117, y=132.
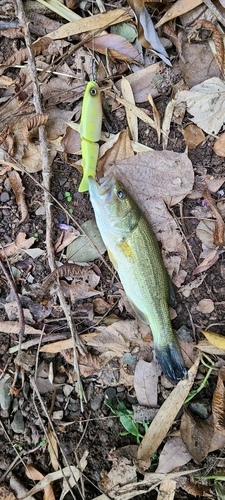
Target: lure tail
x=171, y=361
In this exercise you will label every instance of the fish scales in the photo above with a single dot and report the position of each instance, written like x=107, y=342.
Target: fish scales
x=135, y=254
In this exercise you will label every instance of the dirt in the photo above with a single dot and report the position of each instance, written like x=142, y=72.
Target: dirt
x=96, y=429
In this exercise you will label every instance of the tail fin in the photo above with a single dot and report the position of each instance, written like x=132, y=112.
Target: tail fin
x=170, y=358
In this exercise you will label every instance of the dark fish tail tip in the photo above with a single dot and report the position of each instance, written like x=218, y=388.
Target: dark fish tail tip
x=171, y=361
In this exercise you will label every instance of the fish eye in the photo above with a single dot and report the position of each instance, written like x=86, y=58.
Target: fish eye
x=121, y=194
x=93, y=91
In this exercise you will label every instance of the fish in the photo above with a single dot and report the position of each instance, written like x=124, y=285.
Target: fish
x=90, y=131
x=134, y=252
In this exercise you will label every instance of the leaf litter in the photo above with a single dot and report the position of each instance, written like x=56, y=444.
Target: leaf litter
x=158, y=182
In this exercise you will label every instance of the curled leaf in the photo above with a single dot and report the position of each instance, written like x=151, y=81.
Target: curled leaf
x=33, y=123
x=18, y=189
x=218, y=403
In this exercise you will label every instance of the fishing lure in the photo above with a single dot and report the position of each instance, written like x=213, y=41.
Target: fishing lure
x=90, y=131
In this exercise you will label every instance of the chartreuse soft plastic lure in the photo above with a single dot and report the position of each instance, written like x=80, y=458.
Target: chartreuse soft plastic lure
x=90, y=132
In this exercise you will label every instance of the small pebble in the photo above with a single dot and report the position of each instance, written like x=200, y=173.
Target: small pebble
x=96, y=402
x=4, y=197
x=18, y=423
x=5, y=397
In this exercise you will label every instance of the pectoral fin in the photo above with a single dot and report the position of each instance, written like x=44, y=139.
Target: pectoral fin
x=137, y=311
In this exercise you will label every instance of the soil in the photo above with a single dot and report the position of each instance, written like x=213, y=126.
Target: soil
x=96, y=429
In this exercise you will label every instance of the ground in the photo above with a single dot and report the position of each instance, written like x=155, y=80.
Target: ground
x=96, y=429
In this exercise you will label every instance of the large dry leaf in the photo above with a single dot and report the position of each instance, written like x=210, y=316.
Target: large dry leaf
x=197, y=435
x=117, y=46
x=90, y=23
x=206, y=102
x=146, y=382
x=18, y=189
x=154, y=179
x=166, y=415
x=173, y=455
x=218, y=404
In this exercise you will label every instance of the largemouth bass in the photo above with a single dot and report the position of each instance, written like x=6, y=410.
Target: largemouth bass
x=134, y=252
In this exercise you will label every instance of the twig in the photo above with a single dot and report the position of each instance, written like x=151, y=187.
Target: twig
x=35, y=390
x=46, y=173
x=215, y=11
x=19, y=305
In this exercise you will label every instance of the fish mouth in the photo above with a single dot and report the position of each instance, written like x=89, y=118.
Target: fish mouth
x=104, y=188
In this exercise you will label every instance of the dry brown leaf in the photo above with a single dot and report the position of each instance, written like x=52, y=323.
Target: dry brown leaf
x=200, y=63
x=117, y=46
x=19, y=244
x=180, y=7
x=132, y=120
x=35, y=475
x=166, y=415
x=218, y=404
x=219, y=146
x=90, y=23
x=173, y=455
x=71, y=141
x=218, y=442
x=101, y=306
x=53, y=450
x=156, y=116
x=208, y=262
x=197, y=435
x=16, y=183
x=147, y=80
x=116, y=149
x=33, y=123
x=88, y=364
x=193, y=136
x=65, y=238
x=146, y=382
x=208, y=348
